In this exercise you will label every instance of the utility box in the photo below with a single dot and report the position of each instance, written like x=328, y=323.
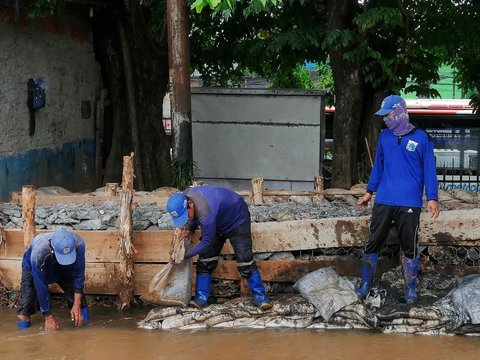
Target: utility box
x=239, y=134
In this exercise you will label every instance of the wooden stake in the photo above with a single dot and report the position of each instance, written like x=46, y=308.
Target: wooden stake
x=111, y=189
x=244, y=289
x=126, y=294
x=369, y=153
x=28, y=214
x=257, y=185
x=318, y=187
x=16, y=197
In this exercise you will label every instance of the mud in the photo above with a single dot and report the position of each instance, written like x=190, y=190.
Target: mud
x=111, y=335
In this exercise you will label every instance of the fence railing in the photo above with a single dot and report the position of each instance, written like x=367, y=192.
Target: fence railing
x=456, y=178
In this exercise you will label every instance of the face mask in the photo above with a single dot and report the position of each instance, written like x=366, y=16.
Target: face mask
x=398, y=121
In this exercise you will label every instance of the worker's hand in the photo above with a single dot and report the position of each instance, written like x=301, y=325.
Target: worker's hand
x=433, y=209
x=51, y=323
x=364, y=200
x=76, y=315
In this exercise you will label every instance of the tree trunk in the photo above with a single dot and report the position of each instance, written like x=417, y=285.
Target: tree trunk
x=135, y=72
x=349, y=81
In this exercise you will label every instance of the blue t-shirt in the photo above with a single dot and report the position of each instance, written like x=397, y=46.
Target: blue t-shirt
x=404, y=166
x=217, y=210
x=45, y=269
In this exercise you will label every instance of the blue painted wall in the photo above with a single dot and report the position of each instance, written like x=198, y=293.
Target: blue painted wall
x=72, y=166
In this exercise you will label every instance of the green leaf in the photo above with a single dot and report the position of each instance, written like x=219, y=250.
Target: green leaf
x=198, y=5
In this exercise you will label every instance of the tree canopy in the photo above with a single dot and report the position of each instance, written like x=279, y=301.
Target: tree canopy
x=373, y=47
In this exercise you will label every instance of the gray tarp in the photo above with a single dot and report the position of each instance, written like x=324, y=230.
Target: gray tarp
x=327, y=291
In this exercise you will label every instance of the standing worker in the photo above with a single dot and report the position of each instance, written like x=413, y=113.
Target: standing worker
x=221, y=214
x=404, y=166
x=56, y=257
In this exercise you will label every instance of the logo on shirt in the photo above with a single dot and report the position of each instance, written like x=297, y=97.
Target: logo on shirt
x=411, y=145
x=410, y=211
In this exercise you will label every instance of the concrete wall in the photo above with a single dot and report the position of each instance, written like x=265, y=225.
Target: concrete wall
x=239, y=134
x=62, y=149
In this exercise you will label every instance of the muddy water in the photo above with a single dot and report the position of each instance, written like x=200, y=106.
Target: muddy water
x=113, y=336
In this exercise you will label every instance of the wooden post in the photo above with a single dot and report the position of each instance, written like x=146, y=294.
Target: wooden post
x=16, y=197
x=28, y=214
x=257, y=185
x=126, y=293
x=244, y=289
x=318, y=187
x=111, y=189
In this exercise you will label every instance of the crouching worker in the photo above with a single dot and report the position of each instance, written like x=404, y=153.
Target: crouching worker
x=404, y=166
x=221, y=214
x=56, y=257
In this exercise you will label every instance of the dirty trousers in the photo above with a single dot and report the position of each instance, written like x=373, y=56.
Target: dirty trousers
x=28, y=303
x=241, y=240
x=406, y=220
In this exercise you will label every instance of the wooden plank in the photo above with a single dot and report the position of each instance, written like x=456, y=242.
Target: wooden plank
x=309, y=234
x=101, y=278
x=292, y=270
x=455, y=227
x=102, y=246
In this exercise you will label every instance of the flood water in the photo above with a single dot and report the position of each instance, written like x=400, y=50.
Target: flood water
x=111, y=335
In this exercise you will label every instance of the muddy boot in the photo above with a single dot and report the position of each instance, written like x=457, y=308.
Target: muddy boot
x=23, y=321
x=258, y=291
x=369, y=263
x=202, y=291
x=85, y=315
x=410, y=268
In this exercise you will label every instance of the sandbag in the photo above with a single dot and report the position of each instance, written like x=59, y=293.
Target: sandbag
x=172, y=285
x=326, y=290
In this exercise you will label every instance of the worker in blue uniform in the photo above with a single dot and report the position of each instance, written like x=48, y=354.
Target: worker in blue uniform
x=55, y=257
x=404, y=168
x=221, y=214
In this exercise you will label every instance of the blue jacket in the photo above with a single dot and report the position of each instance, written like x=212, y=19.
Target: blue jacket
x=45, y=269
x=404, y=166
x=217, y=210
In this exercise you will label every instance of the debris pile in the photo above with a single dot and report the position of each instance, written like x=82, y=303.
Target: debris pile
x=456, y=313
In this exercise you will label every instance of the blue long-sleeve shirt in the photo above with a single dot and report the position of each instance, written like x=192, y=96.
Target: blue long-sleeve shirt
x=404, y=167
x=217, y=210
x=45, y=269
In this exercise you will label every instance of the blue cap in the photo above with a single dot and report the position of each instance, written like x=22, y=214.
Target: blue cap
x=178, y=209
x=63, y=243
x=389, y=104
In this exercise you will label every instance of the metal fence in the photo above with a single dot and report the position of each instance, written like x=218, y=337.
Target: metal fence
x=456, y=178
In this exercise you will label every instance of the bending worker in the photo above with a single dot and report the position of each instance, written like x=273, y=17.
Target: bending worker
x=404, y=166
x=221, y=214
x=56, y=257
